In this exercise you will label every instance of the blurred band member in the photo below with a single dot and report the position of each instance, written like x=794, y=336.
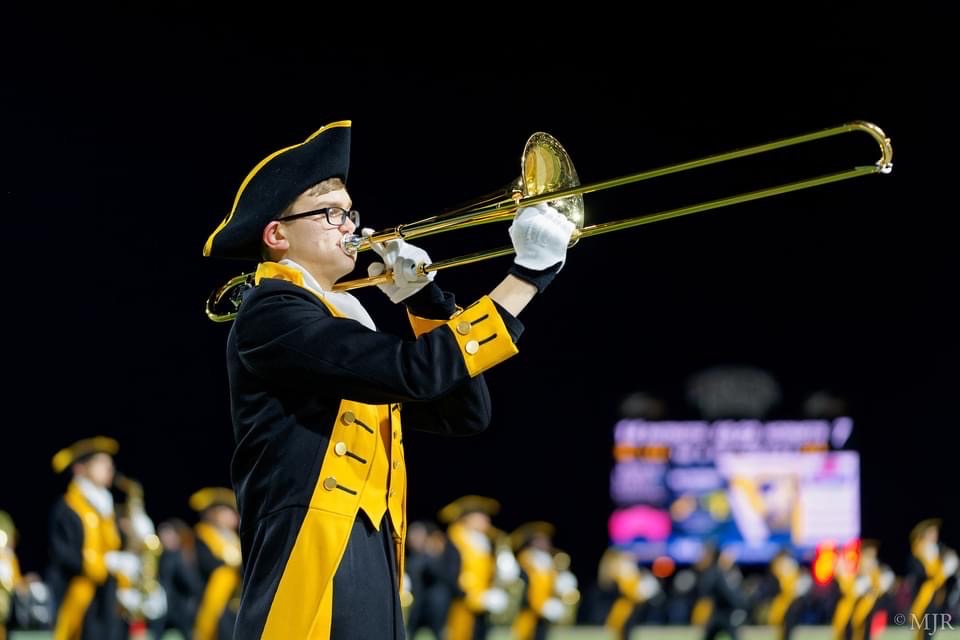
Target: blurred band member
x=545, y=587
x=793, y=583
x=930, y=566
x=219, y=562
x=86, y=561
x=10, y=578
x=477, y=596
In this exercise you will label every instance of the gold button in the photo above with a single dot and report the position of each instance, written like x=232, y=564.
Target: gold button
x=340, y=448
x=472, y=347
x=330, y=483
x=348, y=417
x=463, y=327
x=396, y=464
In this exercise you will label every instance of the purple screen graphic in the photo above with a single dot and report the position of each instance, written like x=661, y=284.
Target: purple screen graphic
x=755, y=485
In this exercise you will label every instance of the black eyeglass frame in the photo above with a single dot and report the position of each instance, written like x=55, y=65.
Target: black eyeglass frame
x=344, y=214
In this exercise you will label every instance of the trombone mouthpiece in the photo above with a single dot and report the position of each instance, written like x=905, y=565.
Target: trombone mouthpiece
x=350, y=243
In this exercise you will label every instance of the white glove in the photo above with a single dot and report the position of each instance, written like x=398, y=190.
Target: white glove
x=540, y=235
x=402, y=259
x=155, y=604
x=949, y=563
x=142, y=526
x=508, y=569
x=565, y=583
x=647, y=587
x=494, y=600
x=6, y=573
x=122, y=562
x=886, y=580
x=130, y=599
x=803, y=585
x=552, y=610
x=861, y=585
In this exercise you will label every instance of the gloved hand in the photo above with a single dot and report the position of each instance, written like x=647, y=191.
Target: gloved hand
x=122, y=562
x=949, y=563
x=130, y=599
x=552, y=610
x=647, y=587
x=540, y=235
x=494, y=600
x=508, y=569
x=155, y=604
x=402, y=259
x=887, y=579
x=142, y=525
x=565, y=583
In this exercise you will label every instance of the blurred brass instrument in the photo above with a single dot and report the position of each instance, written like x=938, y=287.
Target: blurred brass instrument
x=9, y=571
x=547, y=175
x=570, y=598
x=142, y=541
x=506, y=576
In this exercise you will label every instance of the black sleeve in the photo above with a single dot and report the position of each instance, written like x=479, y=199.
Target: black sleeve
x=186, y=577
x=207, y=563
x=465, y=411
x=432, y=302
x=284, y=336
x=450, y=566
x=66, y=539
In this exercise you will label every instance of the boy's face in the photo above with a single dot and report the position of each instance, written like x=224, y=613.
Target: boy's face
x=98, y=469
x=316, y=244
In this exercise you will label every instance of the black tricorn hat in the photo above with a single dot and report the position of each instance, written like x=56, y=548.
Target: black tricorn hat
x=83, y=449
x=468, y=504
x=274, y=183
x=525, y=533
x=213, y=497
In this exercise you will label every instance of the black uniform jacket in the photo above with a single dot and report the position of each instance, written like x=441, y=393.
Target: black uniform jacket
x=291, y=365
x=84, y=593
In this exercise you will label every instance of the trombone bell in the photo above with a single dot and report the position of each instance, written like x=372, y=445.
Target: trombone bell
x=547, y=168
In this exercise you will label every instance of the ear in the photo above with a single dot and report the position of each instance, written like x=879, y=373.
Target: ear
x=274, y=238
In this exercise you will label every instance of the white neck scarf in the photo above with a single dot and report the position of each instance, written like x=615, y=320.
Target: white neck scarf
x=98, y=497
x=344, y=302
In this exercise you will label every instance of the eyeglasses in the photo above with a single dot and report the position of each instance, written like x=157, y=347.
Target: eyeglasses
x=336, y=216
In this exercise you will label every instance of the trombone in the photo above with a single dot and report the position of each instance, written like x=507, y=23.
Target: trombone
x=547, y=175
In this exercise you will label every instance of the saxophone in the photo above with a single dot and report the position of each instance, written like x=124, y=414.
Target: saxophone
x=565, y=586
x=144, y=598
x=506, y=576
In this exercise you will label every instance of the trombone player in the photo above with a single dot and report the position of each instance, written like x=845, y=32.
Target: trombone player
x=317, y=391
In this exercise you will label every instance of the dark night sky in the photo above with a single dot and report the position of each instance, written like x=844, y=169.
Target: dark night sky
x=124, y=147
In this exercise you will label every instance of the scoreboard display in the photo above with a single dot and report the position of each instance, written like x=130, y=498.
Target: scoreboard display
x=758, y=486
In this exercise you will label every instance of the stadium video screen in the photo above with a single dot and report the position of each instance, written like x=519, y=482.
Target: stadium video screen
x=756, y=485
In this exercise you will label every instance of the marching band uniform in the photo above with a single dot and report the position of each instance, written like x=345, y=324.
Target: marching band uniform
x=475, y=559
x=792, y=584
x=545, y=587
x=84, y=551
x=930, y=567
x=316, y=396
x=633, y=586
x=219, y=562
x=10, y=577
x=874, y=581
